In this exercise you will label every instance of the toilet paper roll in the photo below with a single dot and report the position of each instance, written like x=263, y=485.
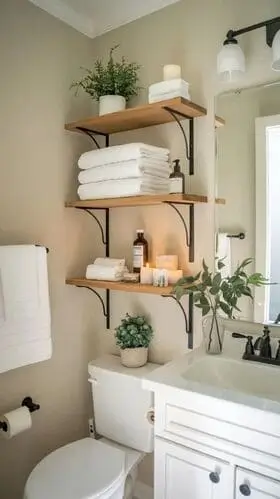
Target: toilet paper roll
x=17, y=421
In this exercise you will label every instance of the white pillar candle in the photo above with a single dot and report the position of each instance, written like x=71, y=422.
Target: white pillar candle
x=168, y=262
x=174, y=276
x=171, y=72
x=146, y=275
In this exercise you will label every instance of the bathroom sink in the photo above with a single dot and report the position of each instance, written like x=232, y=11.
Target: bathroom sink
x=239, y=376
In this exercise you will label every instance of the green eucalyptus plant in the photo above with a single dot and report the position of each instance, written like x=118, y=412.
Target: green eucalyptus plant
x=134, y=332
x=111, y=78
x=211, y=292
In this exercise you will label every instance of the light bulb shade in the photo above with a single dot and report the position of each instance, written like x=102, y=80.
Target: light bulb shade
x=230, y=62
x=276, y=52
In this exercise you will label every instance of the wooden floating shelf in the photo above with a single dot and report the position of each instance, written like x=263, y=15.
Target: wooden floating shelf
x=127, y=287
x=219, y=122
x=139, y=117
x=138, y=201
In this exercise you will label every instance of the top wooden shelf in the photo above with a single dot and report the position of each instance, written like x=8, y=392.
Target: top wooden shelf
x=139, y=117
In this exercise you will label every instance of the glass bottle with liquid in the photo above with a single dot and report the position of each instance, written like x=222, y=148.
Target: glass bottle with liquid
x=177, y=179
x=140, y=251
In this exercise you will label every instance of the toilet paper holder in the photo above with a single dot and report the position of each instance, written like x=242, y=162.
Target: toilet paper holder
x=27, y=402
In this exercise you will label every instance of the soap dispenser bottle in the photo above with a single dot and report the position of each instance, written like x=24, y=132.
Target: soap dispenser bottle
x=177, y=179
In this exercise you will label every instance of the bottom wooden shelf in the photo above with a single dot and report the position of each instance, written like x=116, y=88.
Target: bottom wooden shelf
x=127, y=287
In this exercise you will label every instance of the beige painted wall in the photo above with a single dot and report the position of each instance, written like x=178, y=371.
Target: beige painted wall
x=41, y=57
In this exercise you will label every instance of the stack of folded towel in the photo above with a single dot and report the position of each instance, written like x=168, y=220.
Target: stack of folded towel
x=122, y=171
x=168, y=89
x=106, y=269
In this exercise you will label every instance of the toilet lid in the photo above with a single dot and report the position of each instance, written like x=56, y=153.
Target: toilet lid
x=86, y=469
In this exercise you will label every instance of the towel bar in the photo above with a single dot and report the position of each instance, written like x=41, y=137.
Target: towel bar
x=241, y=235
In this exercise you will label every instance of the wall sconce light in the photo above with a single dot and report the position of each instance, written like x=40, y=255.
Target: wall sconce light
x=231, y=59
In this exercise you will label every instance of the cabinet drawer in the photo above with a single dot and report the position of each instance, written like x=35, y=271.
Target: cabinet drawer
x=225, y=425
x=256, y=486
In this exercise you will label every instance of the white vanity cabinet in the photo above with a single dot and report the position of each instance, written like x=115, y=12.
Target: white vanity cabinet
x=210, y=448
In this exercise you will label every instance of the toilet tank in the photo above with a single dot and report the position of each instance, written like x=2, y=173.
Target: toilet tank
x=120, y=403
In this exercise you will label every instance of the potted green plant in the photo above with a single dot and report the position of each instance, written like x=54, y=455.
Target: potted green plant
x=213, y=293
x=112, y=83
x=133, y=336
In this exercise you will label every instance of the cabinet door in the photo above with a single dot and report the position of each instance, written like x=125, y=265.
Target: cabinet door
x=181, y=473
x=256, y=486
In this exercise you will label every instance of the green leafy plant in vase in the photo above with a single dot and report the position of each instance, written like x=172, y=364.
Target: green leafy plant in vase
x=112, y=83
x=213, y=293
x=133, y=336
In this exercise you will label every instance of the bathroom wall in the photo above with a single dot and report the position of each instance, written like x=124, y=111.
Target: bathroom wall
x=40, y=57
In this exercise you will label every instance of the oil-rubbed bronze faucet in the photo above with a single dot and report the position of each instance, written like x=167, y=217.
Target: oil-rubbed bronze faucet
x=260, y=351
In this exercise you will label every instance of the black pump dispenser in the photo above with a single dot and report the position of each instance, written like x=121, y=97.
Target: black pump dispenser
x=177, y=179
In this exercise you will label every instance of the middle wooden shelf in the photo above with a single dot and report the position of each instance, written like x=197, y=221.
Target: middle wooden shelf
x=128, y=287
x=148, y=200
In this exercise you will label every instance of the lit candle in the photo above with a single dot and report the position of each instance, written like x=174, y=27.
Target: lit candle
x=146, y=275
x=171, y=72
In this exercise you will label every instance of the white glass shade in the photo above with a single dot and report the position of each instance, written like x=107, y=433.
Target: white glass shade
x=276, y=52
x=230, y=62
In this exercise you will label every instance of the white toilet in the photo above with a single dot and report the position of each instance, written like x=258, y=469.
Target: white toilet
x=105, y=468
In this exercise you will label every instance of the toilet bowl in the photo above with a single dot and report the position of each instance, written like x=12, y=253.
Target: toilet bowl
x=105, y=468
x=86, y=469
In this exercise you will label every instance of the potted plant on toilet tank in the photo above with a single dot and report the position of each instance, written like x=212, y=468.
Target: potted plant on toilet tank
x=133, y=336
x=218, y=295
x=112, y=83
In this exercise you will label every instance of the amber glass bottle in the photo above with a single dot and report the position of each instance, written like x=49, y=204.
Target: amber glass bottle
x=140, y=251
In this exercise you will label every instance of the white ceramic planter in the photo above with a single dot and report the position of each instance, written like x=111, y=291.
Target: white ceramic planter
x=111, y=104
x=134, y=357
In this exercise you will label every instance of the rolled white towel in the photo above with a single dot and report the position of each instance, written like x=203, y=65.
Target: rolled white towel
x=103, y=273
x=116, y=154
x=132, y=168
x=123, y=188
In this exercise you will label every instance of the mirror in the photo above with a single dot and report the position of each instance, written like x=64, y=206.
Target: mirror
x=248, y=178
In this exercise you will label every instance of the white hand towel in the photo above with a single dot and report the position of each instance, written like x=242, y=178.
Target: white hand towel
x=223, y=250
x=25, y=325
x=123, y=188
x=116, y=154
x=169, y=95
x=103, y=273
x=126, y=169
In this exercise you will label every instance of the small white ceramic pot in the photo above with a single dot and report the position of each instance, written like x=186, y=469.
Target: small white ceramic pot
x=111, y=104
x=134, y=357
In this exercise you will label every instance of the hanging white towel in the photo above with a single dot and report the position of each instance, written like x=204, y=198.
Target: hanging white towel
x=116, y=154
x=25, y=324
x=223, y=250
x=133, y=168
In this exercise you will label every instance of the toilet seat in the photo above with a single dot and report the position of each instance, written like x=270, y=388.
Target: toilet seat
x=86, y=469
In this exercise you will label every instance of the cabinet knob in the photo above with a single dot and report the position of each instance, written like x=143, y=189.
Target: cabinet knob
x=214, y=477
x=245, y=489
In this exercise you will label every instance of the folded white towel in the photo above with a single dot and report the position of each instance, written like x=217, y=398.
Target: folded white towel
x=123, y=188
x=167, y=86
x=103, y=273
x=132, y=168
x=168, y=95
x=116, y=154
x=110, y=262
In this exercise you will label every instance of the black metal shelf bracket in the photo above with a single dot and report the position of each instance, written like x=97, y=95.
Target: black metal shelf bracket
x=91, y=134
x=189, y=233
x=189, y=145
x=188, y=323
x=105, y=304
x=104, y=233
